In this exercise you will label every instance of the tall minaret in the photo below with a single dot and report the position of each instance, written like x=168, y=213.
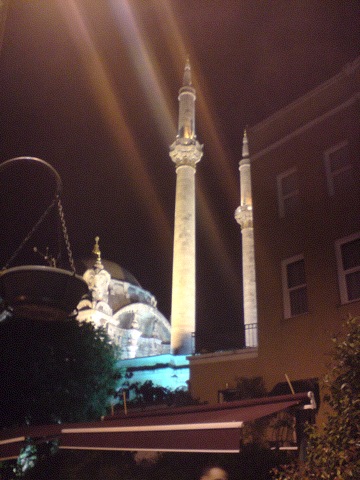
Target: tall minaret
x=244, y=216
x=185, y=152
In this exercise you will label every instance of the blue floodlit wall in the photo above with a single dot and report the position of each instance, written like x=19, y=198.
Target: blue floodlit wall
x=168, y=371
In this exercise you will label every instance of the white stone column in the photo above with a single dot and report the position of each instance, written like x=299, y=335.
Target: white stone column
x=183, y=288
x=185, y=152
x=244, y=216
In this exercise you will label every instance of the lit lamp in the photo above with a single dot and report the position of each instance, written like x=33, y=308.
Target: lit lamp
x=41, y=292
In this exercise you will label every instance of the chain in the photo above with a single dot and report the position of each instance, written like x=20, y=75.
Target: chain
x=30, y=234
x=36, y=226
x=65, y=234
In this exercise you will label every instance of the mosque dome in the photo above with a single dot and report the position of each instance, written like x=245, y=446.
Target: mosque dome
x=117, y=301
x=116, y=271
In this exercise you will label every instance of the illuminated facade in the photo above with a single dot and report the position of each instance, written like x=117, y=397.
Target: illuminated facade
x=185, y=152
x=118, y=302
x=305, y=173
x=127, y=311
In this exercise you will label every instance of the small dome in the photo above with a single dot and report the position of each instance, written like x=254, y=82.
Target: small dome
x=116, y=271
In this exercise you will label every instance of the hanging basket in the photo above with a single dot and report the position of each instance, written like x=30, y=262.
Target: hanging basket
x=41, y=293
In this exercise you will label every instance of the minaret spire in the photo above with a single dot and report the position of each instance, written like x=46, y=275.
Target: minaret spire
x=187, y=74
x=185, y=152
x=245, y=146
x=244, y=216
x=187, y=97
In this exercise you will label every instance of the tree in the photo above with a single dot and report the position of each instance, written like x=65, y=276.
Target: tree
x=333, y=451
x=147, y=394
x=54, y=372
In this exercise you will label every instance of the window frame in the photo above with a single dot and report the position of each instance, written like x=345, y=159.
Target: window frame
x=342, y=273
x=280, y=194
x=330, y=175
x=286, y=290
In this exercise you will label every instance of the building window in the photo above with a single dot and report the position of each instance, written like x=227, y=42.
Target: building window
x=338, y=167
x=294, y=286
x=348, y=263
x=288, y=192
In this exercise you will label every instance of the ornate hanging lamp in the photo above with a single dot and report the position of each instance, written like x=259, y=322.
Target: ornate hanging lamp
x=41, y=292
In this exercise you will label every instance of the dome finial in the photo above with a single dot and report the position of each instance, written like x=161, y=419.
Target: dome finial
x=96, y=249
x=97, y=252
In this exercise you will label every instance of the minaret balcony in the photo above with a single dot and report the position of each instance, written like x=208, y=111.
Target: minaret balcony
x=185, y=151
x=244, y=216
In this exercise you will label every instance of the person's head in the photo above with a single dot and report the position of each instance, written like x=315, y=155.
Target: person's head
x=214, y=473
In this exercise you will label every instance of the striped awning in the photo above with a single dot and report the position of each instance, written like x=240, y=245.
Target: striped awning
x=201, y=428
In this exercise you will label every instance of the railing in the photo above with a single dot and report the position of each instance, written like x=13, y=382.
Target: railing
x=251, y=335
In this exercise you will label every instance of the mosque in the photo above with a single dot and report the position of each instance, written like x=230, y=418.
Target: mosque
x=151, y=348
x=129, y=313
x=300, y=281
x=304, y=158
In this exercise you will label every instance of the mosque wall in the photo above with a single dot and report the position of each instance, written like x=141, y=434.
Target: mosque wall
x=168, y=371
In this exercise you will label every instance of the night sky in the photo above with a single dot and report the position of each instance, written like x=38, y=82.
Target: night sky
x=91, y=87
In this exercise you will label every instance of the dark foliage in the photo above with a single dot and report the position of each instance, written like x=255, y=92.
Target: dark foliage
x=147, y=394
x=333, y=451
x=79, y=465
x=54, y=372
